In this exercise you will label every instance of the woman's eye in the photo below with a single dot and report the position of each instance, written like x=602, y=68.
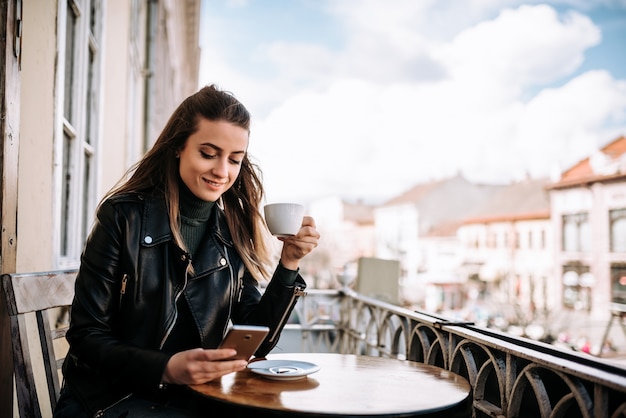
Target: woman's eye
x=207, y=156
x=236, y=162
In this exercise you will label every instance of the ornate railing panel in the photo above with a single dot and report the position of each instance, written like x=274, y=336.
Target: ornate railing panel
x=510, y=376
x=315, y=319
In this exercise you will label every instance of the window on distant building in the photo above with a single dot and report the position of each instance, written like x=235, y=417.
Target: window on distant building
x=577, y=286
x=502, y=240
x=576, y=232
x=542, y=244
x=617, y=222
x=77, y=144
x=618, y=284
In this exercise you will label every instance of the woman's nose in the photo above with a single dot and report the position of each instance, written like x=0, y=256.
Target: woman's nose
x=221, y=168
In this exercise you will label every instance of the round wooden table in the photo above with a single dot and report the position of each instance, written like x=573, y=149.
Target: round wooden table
x=347, y=386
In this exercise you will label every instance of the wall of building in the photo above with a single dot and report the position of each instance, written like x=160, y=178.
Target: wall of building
x=597, y=199
x=121, y=106
x=35, y=175
x=533, y=263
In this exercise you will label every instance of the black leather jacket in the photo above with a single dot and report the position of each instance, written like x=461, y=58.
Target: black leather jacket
x=125, y=305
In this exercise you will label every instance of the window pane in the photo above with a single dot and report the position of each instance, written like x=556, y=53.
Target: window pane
x=618, y=230
x=618, y=283
x=65, y=193
x=90, y=99
x=576, y=292
x=70, y=50
x=585, y=235
x=85, y=206
x=576, y=232
x=618, y=236
x=93, y=18
x=570, y=234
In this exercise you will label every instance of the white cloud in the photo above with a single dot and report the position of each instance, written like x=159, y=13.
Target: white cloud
x=399, y=105
x=521, y=47
x=567, y=124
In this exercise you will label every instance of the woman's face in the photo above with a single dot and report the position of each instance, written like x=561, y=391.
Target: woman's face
x=211, y=158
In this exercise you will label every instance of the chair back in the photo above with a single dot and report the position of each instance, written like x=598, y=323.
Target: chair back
x=38, y=294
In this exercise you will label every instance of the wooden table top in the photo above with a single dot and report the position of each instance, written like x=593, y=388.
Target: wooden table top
x=348, y=385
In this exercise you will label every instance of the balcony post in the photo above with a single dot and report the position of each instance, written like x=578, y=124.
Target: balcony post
x=11, y=42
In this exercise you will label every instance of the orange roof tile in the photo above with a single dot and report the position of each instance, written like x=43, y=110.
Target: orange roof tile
x=582, y=172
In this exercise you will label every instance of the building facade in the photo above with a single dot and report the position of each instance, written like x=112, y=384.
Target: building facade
x=418, y=228
x=87, y=86
x=98, y=81
x=588, y=214
x=508, y=252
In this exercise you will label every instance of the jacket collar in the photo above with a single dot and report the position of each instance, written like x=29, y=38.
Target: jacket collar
x=156, y=228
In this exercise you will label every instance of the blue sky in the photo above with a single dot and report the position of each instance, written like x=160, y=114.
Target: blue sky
x=610, y=53
x=363, y=99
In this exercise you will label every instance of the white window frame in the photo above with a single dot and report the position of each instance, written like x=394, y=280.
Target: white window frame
x=577, y=293
x=73, y=211
x=617, y=230
x=576, y=232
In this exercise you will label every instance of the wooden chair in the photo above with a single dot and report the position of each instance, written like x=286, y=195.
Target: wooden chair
x=27, y=293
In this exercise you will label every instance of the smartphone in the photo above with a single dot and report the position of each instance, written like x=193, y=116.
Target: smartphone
x=245, y=339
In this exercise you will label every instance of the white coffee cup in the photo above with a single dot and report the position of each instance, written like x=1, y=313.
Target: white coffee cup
x=284, y=219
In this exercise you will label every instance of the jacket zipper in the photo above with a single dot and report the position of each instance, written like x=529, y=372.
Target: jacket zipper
x=170, y=327
x=101, y=412
x=297, y=291
x=123, y=289
x=232, y=291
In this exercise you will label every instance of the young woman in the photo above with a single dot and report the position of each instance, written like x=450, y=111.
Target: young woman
x=176, y=253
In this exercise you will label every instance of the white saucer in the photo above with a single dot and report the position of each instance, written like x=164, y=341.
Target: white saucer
x=283, y=369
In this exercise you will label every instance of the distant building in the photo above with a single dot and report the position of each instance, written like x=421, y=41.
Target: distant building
x=418, y=228
x=508, y=249
x=588, y=215
x=347, y=230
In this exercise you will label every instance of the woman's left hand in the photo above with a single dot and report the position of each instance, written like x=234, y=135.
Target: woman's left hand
x=299, y=245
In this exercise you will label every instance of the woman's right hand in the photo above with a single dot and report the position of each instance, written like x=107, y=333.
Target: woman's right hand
x=197, y=366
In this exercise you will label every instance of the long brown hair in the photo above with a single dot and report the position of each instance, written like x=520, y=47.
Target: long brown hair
x=157, y=172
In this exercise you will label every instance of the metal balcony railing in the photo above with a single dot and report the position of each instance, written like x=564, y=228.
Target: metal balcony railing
x=510, y=376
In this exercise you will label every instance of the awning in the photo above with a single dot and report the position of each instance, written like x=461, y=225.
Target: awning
x=492, y=270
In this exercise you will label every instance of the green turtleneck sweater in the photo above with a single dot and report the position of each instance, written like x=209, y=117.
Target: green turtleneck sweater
x=194, y=214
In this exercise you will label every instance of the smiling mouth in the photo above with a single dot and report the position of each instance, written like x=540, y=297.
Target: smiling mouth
x=213, y=183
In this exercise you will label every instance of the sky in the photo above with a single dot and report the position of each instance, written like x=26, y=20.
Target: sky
x=364, y=99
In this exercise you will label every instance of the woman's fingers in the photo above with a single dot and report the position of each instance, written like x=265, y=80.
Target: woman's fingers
x=200, y=366
x=301, y=244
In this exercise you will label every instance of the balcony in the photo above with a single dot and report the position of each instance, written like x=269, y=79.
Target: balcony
x=510, y=376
